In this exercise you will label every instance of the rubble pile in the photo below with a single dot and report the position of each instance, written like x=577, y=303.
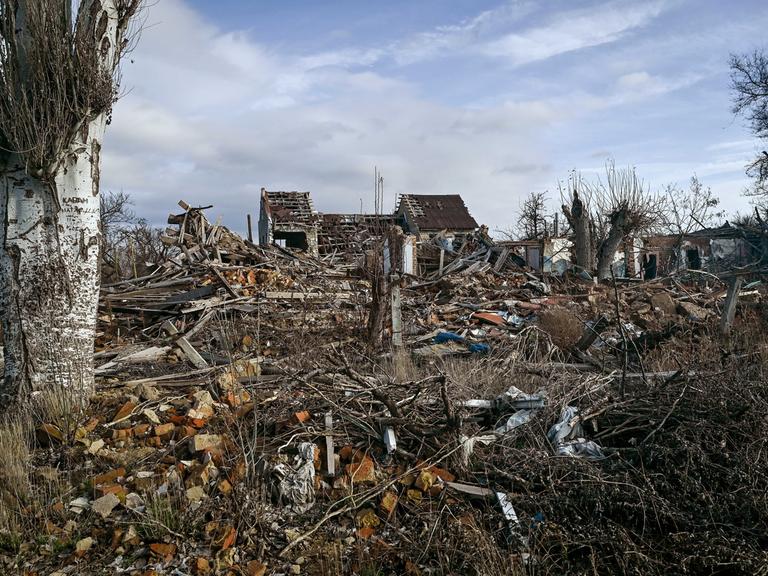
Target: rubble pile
x=243, y=424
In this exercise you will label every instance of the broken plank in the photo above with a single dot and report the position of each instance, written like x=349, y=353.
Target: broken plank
x=330, y=457
x=189, y=350
x=307, y=295
x=471, y=490
x=225, y=283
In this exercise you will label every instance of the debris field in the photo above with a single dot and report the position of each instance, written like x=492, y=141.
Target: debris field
x=247, y=421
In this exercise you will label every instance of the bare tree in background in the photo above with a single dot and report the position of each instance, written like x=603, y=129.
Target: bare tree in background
x=604, y=213
x=532, y=222
x=140, y=249
x=59, y=77
x=688, y=210
x=749, y=84
x=116, y=215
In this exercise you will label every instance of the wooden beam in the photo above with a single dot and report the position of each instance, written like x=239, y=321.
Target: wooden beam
x=729, y=309
x=189, y=350
x=330, y=457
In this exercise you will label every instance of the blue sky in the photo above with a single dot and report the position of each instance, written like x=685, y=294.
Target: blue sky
x=488, y=99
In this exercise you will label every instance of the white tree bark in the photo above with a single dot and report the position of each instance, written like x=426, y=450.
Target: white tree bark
x=49, y=271
x=49, y=247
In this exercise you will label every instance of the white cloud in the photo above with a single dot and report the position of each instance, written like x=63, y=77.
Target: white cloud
x=213, y=116
x=574, y=30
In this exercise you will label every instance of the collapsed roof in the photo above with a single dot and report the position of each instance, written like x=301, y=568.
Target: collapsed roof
x=289, y=206
x=436, y=212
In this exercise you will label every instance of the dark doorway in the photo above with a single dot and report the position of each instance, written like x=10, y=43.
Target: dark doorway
x=296, y=240
x=694, y=260
x=649, y=266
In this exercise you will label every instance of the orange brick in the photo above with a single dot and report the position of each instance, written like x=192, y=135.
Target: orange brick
x=164, y=429
x=225, y=537
x=362, y=472
x=443, y=474
x=365, y=533
x=115, y=489
x=165, y=551
x=107, y=477
x=124, y=411
x=301, y=417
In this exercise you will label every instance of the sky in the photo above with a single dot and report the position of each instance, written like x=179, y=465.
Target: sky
x=488, y=99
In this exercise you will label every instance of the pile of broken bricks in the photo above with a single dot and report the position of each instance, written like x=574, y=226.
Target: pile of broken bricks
x=242, y=425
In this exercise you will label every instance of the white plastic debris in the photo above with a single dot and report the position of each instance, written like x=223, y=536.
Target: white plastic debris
x=567, y=438
x=516, y=420
x=468, y=444
x=296, y=486
x=516, y=398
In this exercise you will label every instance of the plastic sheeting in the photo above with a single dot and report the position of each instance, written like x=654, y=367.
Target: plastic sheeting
x=296, y=486
x=566, y=436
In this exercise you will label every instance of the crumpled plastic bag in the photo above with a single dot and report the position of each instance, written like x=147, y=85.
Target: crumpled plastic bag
x=566, y=436
x=517, y=419
x=296, y=486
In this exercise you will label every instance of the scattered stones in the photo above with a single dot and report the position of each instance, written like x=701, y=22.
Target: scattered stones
x=164, y=429
x=82, y=546
x=103, y=506
x=202, y=442
x=134, y=502
x=79, y=505
x=388, y=503
x=95, y=446
x=195, y=494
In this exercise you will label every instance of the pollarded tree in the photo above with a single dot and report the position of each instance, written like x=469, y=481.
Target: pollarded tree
x=604, y=213
x=59, y=75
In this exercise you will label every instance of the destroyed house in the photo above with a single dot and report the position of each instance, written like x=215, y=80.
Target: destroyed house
x=426, y=215
x=288, y=219
x=710, y=249
x=351, y=234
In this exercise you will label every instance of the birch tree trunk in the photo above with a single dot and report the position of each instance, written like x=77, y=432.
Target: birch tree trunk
x=49, y=201
x=49, y=284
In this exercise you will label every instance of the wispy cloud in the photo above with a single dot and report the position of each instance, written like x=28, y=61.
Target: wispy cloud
x=501, y=33
x=574, y=30
x=213, y=114
x=448, y=39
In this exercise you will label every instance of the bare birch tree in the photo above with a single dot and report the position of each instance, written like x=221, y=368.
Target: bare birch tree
x=59, y=77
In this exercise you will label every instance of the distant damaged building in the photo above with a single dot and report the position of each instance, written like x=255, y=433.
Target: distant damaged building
x=351, y=234
x=288, y=219
x=427, y=215
x=710, y=249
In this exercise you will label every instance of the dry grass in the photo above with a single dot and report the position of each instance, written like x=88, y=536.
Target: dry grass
x=27, y=491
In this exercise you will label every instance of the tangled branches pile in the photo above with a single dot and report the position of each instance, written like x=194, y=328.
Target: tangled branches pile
x=681, y=492
x=56, y=75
